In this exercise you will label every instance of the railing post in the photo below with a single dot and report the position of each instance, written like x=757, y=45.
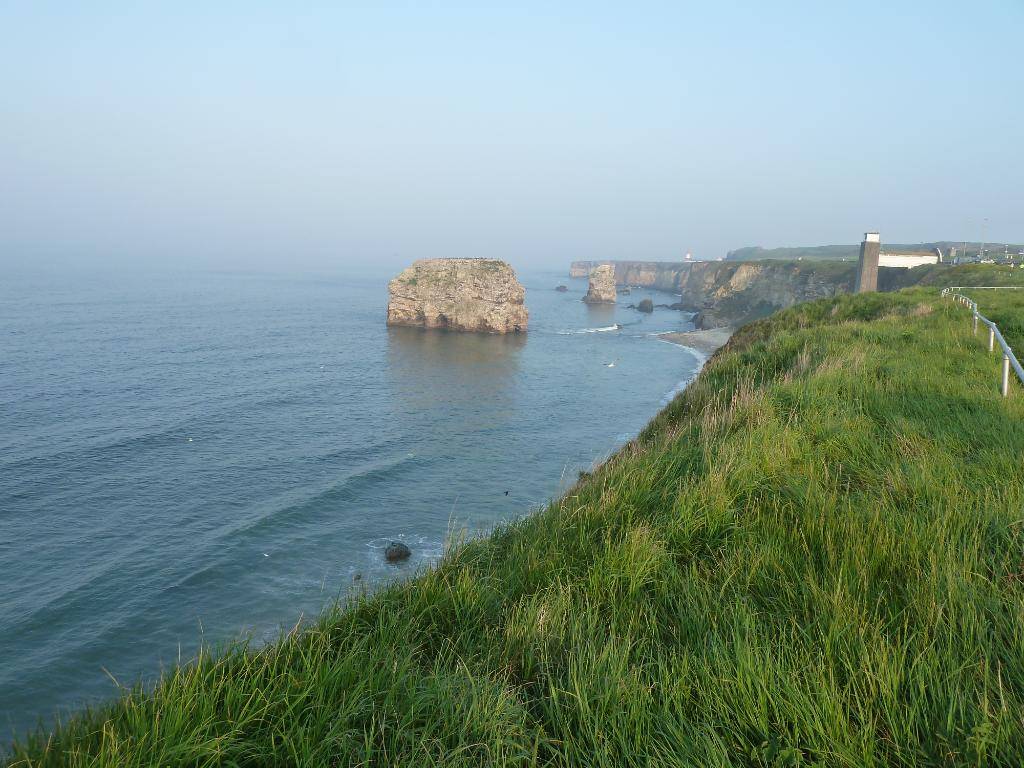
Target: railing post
x=991, y=339
x=1006, y=375
x=975, y=322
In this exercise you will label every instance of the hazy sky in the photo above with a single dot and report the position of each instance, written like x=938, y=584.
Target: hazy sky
x=312, y=134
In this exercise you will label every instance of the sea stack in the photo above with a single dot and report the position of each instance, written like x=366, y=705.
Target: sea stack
x=480, y=295
x=602, y=285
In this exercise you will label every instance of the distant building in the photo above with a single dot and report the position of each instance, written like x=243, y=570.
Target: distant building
x=906, y=259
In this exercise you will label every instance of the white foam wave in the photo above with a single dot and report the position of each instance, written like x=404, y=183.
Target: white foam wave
x=589, y=330
x=702, y=358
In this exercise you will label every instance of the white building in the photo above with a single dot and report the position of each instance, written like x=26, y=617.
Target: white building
x=906, y=259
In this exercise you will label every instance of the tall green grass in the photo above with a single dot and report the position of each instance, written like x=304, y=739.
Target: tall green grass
x=812, y=556
x=1006, y=310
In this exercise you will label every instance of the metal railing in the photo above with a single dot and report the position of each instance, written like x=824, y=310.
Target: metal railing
x=1009, y=359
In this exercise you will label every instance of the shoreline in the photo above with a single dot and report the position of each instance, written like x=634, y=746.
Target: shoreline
x=707, y=341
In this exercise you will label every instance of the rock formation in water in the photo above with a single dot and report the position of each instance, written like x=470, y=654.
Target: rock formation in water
x=645, y=305
x=458, y=295
x=602, y=285
x=562, y=288
x=396, y=552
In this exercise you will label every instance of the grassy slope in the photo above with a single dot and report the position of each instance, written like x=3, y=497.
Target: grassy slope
x=814, y=555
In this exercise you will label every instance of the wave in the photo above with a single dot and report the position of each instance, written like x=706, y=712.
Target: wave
x=702, y=358
x=605, y=329
x=295, y=509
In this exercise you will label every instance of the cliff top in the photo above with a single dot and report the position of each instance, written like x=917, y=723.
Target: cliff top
x=480, y=261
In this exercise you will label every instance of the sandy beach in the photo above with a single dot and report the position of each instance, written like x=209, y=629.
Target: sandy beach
x=704, y=341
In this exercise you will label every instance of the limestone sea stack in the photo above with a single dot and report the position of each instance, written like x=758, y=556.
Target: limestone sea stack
x=480, y=295
x=602, y=285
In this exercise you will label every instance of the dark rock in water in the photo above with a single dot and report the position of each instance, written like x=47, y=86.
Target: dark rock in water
x=645, y=305
x=396, y=552
x=357, y=577
x=562, y=288
x=678, y=305
x=625, y=290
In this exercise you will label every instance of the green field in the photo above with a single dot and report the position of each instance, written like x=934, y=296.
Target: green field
x=813, y=556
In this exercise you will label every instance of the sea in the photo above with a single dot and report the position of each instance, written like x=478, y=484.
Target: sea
x=191, y=457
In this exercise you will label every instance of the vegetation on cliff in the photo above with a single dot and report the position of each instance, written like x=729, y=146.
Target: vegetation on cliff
x=812, y=556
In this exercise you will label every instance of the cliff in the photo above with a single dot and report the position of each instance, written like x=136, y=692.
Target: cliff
x=602, y=285
x=458, y=295
x=734, y=293
x=660, y=275
x=731, y=293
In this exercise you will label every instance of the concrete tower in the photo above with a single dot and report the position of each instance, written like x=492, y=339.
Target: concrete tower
x=867, y=268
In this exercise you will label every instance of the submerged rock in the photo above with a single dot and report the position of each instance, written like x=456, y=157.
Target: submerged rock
x=458, y=295
x=562, y=288
x=602, y=285
x=396, y=551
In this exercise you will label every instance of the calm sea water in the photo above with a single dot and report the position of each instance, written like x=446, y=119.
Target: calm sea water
x=189, y=457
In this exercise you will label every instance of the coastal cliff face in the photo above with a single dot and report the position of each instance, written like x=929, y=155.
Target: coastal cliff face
x=725, y=293
x=481, y=295
x=602, y=285
x=730, y=293
x=581, y=268
x=660, y=275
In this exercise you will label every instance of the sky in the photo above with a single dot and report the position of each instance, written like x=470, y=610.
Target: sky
x=330, y=135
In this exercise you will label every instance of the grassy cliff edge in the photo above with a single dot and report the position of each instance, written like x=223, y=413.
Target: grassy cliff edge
x=812, y=556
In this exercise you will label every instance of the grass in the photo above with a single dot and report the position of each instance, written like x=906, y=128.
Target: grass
x=968, y=274
x=1006, y=310
x=812, y=556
